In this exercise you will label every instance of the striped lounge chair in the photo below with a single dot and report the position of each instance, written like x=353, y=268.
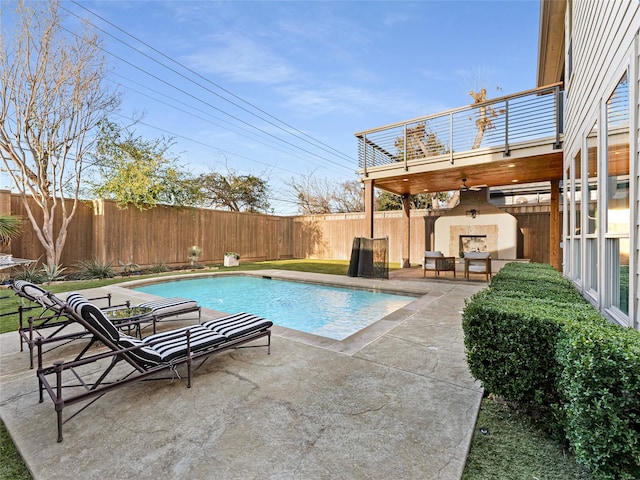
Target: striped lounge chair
x=43, y=318
x=76, y=381
x=172, y=307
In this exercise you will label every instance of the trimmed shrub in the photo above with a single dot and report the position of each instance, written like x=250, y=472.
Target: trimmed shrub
x=532, y=339
x=600, y=389
x=510, y=344
x=536, y=280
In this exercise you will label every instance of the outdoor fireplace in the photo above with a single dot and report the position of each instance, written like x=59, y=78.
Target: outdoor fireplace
x=492, y=230
x=472, y=243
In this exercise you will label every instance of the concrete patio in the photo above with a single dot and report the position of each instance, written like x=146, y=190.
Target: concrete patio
x=394, y=401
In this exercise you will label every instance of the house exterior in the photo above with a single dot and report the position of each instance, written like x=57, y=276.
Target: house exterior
x=573, y=132
x=594, y=48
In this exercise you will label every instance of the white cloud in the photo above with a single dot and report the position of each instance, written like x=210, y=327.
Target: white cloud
x=241, y=59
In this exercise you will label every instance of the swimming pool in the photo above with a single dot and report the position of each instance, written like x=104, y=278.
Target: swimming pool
x=327, y=311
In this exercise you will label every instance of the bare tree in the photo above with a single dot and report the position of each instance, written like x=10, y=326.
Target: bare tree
x=315, y=195
x=312, y=194
x=53, y=96
x=348, y=197
x=420, y=142
x=486, y=114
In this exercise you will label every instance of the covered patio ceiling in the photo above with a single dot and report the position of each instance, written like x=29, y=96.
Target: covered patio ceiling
x=509, y=171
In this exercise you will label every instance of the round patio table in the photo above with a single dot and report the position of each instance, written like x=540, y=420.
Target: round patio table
x=127, y=317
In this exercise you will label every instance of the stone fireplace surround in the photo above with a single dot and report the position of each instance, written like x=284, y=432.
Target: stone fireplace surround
x=497, y=228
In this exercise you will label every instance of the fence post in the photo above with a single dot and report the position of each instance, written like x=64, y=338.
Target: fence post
x=98, y=247
x=5, y=209
x=5, y=202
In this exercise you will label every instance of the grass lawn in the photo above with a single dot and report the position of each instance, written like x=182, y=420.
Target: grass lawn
x=512, y=449
x=11, y=465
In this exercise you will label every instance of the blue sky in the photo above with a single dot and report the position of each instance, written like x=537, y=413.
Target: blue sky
x=326, y=69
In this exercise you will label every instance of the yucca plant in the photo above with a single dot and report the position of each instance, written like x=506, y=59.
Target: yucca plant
x=159, y=268
x=31, y=273
x=94, y=268
x=53, y=272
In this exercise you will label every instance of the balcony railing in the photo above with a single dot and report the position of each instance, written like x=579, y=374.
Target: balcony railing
x=501, y=122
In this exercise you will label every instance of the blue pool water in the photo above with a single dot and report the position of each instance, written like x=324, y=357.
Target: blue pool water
x=327, y=311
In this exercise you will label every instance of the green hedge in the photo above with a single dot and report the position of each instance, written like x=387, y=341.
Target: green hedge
x=536, y=280
x=600, y=389
x=510, y=344
x=532, y=339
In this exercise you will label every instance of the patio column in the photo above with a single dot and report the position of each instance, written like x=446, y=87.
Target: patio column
x=406, y=245
x=369, y=207
x=554, y=226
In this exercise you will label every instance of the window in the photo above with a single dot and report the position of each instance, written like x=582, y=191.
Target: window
x=568, y=237
x=618, y=220
x=591, y=225
x=576, y=217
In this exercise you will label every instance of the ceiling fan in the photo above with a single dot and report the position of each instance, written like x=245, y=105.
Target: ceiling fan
x=464, y=187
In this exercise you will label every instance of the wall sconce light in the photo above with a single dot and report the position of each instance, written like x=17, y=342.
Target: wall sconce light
x=472, y=213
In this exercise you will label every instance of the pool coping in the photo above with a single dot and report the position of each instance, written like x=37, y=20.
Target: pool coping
x=348, y=346
x=401, y=406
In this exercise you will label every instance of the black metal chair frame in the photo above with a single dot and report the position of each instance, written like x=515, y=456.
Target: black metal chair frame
x=66, y=374
x=50, y=321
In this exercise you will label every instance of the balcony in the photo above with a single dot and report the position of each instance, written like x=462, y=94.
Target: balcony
x=507, y=140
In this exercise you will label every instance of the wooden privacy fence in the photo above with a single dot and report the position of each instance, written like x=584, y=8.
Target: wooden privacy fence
x=160, y=235
x=163, y=235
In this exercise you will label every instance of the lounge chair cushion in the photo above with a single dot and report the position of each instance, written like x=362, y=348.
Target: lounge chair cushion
x=477, y=262
x=170, y=345
x=238, y=324
x=430, y=259
x=166, y=306
x=34, y=293
x=93, y=315
x=477, y=255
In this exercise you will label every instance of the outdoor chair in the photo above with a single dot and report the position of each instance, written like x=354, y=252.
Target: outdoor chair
x=437, y=262
x=477, y=262
x=171, y=307
x=51, y=320
x=87, y=378
x=45, y=318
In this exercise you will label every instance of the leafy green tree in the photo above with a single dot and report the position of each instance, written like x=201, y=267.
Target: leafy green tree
x=141, y=172
x=386, y=201
x=234, y=192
